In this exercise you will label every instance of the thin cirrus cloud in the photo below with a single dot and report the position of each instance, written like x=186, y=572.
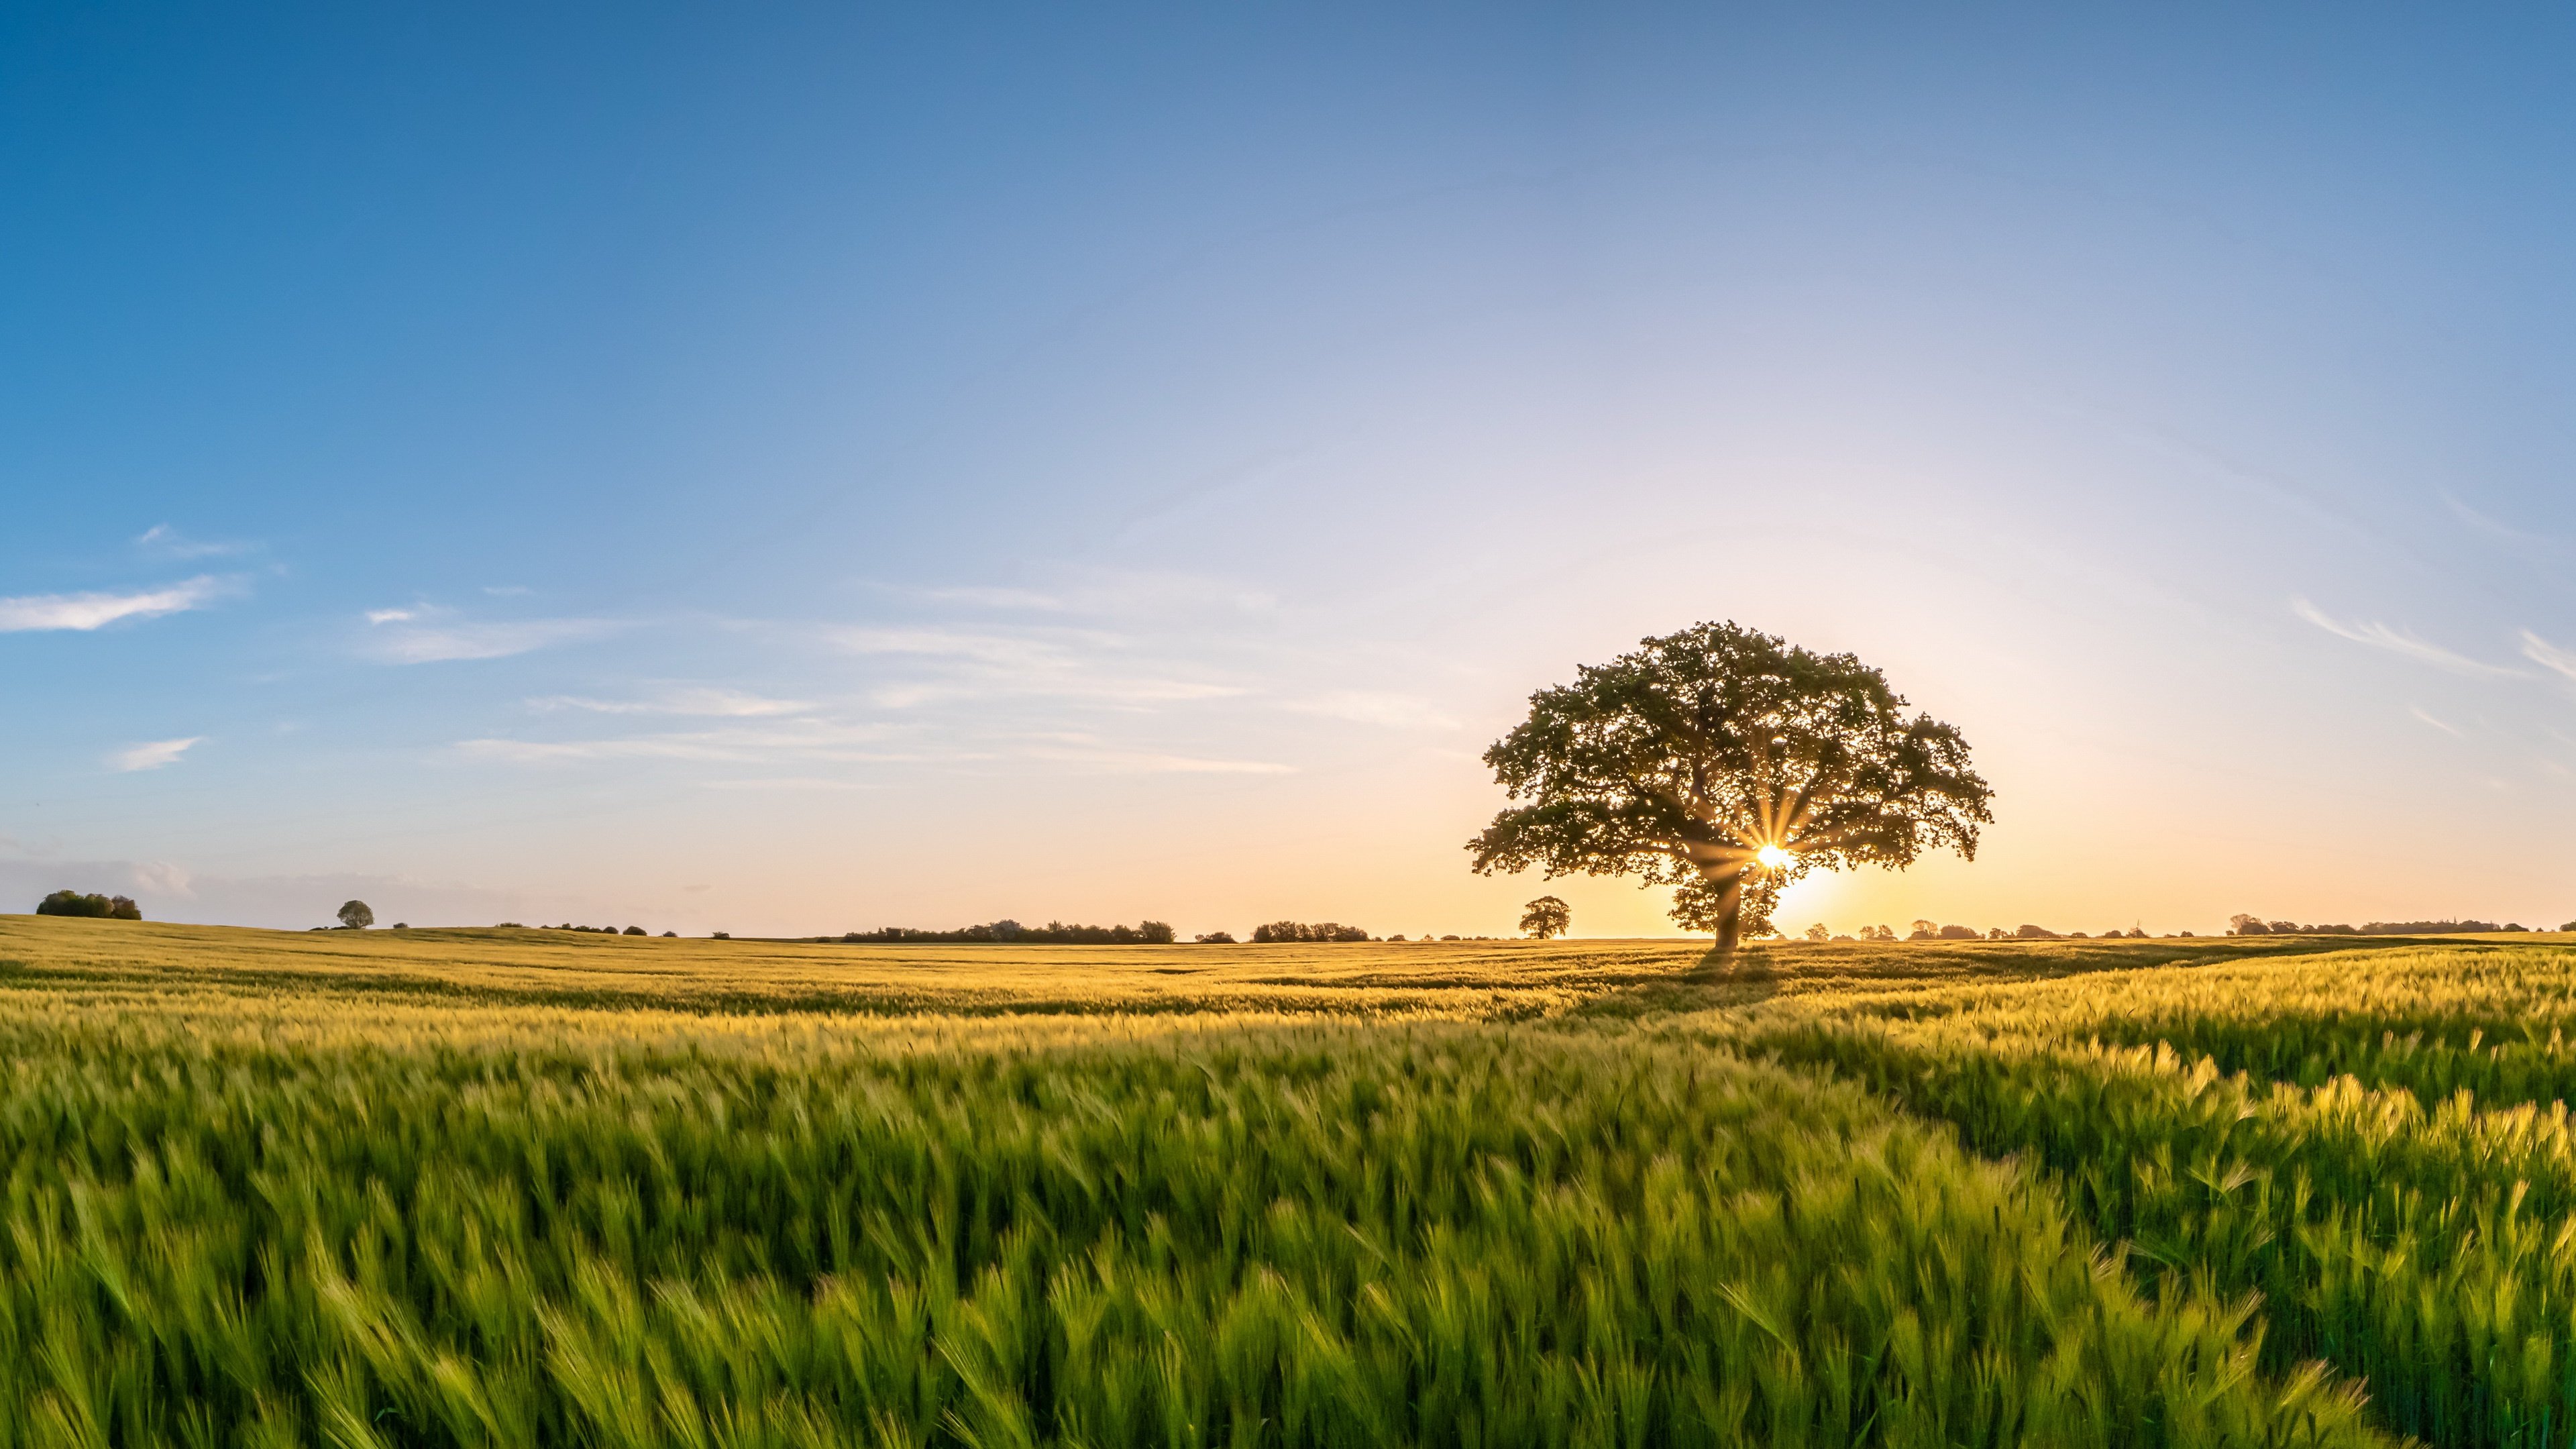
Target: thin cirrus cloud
x=699, y=703
x=162, y=539
x=1075, y=664
x=1149, y=762
x=2445, y=726
x=430, y=636
x=89, y=611
x=1392, y=711
x=786, y=739
x=2547, y=655
x=2397, y=641
x=152, y=755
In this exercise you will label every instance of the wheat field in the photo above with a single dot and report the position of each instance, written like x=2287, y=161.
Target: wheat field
x=534, y=1187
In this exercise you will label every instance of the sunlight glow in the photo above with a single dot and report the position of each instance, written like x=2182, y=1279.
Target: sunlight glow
x=1772, y=857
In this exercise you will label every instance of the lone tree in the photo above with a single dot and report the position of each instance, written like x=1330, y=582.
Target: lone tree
x=356, y=916
x=1547, y=918
x=1726, y=763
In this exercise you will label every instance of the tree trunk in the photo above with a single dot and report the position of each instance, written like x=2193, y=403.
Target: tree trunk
x=1730, y=920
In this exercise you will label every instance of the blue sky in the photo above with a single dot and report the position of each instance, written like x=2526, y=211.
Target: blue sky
x=799, y=469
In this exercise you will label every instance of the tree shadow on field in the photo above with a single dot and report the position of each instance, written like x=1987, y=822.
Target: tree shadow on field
x=1744, y=977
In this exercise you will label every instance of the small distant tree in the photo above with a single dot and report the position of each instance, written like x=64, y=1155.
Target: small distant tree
x=634, y=931
x=1216, y=938
x=1155, y=933
x=1547, y=918
x=1819, y=932
x=355, y=916
x=1998, y=933
x=2241, y=924
x=1925, y=931
x=1958, y=933
x=2036, y=933
x=1726, y=763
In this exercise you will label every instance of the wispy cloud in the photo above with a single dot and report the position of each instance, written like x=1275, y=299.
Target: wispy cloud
x=1394, y=711
x=983, y=598
x=422, y=635
x=704, y=703
x=788, y=739
x=1105, y=594
x=2483, y=524
x=2397, y=641
x=790, y=742
x=152, y=756
x=168, y=542
x=2443, y=725
x=2547, y=655
x=1050, y=649
x=95, y=611
x=1149, y=762
x=1070, y=664
x=163, y=878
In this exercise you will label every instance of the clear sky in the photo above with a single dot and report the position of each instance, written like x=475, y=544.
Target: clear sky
x=795, y=469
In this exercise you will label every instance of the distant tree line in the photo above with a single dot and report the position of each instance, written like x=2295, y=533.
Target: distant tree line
x=1303, y=931
x=2249, y=925
x=1053, y=933
x=1934, y=931
x=105, y=908
x=598, y=930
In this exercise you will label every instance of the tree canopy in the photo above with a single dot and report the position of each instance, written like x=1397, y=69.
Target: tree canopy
x=73, y=903
x=1727, y=763
x=1547, y=918
x=357, y=915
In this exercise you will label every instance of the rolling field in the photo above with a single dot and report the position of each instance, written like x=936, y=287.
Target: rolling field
x=537, y=1188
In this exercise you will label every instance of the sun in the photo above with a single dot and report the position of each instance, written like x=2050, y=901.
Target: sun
x=1772, y=857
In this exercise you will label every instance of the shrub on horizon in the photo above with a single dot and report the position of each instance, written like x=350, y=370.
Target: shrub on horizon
x=94, y=907
x=1290, y=931
x=1222, y=938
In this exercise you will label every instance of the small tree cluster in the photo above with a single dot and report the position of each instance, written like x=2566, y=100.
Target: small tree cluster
x=1215, y=938
x=1053, y=933
x=1302, y=931
x=104, y=908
